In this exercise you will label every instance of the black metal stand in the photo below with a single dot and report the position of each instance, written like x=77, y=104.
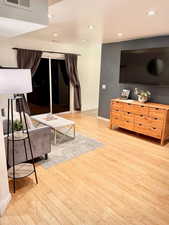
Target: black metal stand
x=11, y=138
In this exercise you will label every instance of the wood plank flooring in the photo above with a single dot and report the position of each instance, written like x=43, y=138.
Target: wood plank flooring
x=125, y=182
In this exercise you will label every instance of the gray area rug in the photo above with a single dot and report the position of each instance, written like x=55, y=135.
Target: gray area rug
x=70, y=148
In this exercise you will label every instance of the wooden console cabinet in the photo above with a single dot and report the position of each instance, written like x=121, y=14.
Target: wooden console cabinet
x=150, y=119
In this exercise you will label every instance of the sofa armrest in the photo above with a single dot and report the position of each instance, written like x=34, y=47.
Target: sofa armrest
x=40, y=142
x=5, y=125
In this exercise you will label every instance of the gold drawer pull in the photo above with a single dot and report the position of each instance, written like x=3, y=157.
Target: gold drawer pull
x=155, y=118
x=140, y=124
x=141, y=115
x=154, y=128
x=128, y=113
x=156, y=108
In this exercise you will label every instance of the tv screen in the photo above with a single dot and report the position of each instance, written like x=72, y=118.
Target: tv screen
x=145, y=66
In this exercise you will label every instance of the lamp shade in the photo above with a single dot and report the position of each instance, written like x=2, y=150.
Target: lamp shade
x=15, y=81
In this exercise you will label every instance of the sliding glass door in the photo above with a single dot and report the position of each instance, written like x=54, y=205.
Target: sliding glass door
x=39, y=99
x=60, y=86
x=51, y=88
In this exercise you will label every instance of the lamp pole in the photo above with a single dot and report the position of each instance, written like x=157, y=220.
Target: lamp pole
x=5, y=195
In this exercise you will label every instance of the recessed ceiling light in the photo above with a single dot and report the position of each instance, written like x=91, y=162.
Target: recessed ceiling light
x=84, y=40
x=55, y=34
x=91, y=27
x=119, y=34
x=151, y=13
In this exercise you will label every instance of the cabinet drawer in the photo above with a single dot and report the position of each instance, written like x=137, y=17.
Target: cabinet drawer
x=141, y=110
x=116, y=121
x=156, y=122
x=116, y=115
x=117, y=105
x=128, y=107
x=128, y=116
x=143, y=119
x=116, y=111
x=141, y=128
x=155, y=132
x=148, y=130
x=157, y=112
x=127, y=124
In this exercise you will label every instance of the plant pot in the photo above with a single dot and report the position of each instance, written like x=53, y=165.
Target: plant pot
x=18, y=134
x=142, y=99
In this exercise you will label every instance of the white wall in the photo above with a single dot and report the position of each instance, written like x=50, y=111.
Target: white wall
x=5, y=195
x=89, y=73
x=31, y=15
x=88, y=64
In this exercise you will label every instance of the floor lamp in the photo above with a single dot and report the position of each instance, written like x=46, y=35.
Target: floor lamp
x=17, y=82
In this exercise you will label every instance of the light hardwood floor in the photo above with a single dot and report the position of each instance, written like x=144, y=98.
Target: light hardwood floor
x=126, y=182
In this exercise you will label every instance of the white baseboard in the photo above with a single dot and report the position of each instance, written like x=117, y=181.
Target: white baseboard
x=4, y=203
x=88, y=110
x=102, y=118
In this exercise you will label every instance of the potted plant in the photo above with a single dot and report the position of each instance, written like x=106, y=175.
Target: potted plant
x=18, y=127
x=143, y=96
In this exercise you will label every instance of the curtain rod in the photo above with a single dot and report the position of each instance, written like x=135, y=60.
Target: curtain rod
x=63, y=53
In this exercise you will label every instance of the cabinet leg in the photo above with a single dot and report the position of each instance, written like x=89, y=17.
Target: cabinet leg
x=162, y=141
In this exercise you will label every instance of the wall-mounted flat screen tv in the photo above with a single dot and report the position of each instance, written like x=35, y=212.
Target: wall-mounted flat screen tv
x=145, y=66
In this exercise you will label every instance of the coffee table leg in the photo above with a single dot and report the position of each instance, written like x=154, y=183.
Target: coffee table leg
x=74, y=131
x=55, y=134
x=73, y=128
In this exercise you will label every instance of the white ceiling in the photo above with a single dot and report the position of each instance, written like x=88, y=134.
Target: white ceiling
x=70, y=19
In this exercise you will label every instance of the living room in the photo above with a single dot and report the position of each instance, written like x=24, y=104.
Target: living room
x=84, y=112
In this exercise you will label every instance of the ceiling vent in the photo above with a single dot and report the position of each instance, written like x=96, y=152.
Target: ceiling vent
x=19, y=3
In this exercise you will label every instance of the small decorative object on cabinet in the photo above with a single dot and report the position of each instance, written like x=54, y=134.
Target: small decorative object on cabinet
x=143, y=96
x=150, y=119
x=125, y=94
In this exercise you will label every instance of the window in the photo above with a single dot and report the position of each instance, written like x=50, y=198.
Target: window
x=13, y=1
x=19, y=3
x=25, y=3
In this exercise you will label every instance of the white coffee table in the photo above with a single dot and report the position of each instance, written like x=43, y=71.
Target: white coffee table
x=56, y=123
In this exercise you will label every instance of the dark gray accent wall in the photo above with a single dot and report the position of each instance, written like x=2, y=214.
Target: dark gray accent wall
x=110, y=70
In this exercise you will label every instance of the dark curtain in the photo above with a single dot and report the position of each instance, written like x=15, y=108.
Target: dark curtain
x=71, y=67
x=28, y=59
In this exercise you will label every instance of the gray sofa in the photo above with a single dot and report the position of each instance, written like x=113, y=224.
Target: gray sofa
x=40, y=140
